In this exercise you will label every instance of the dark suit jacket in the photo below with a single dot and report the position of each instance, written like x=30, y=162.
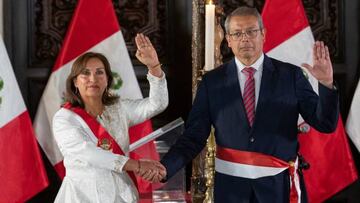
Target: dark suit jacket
x=284, y=93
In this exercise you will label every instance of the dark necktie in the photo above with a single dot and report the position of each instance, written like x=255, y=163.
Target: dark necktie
x=249, y=94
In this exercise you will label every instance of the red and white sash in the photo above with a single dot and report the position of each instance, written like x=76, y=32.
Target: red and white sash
x=255, y=165
x=104, y=138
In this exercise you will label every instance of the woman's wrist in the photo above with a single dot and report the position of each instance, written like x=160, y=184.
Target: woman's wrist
x=156, y=70
x=153, y=64
x=139, y=167
x=156, y=65
x=132, y=165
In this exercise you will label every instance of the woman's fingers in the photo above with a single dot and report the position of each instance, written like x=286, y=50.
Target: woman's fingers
x=138, y=41
x=152, y=171
x=148, y=42
x=150, y=175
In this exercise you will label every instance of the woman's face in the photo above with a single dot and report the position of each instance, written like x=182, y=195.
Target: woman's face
x=92, y=80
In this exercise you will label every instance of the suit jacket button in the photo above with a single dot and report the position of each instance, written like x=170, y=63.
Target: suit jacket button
x=252, y=139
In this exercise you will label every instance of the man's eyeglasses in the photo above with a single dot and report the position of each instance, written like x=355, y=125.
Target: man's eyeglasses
x=248, y=33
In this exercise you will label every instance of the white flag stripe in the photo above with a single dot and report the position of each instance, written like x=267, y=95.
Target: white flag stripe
x=297, y=48
x=49, y=104
x=353, y=120
x=115, y=51
x=12, y=103
x=44, y=135
x=302, y=42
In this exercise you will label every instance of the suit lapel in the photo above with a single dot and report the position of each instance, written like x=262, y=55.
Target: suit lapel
x=268, y=80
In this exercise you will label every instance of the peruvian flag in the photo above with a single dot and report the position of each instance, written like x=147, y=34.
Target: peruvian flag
x=353, y=120
x=22, y=173
x=289, y=38
x=94, y=27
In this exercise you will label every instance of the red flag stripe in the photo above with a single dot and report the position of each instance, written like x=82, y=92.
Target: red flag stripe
x=328, y=155
x=89, y=36
x=21, y=171
x=334, y=167
x=295, y=20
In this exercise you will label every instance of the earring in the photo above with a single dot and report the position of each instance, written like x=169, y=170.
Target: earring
x=76, y=90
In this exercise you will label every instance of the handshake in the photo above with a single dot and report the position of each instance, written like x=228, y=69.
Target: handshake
x=149, y=170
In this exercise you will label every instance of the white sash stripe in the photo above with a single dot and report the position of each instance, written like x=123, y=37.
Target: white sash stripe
x=297, y=181
x=245, y=170
x=297, y=187
x=254, y=172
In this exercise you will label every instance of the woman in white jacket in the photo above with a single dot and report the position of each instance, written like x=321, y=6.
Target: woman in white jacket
x=92, y=130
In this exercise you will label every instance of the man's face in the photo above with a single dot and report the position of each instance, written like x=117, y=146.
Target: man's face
x=245, y=38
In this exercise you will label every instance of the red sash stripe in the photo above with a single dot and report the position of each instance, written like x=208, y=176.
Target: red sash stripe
x=99, y=131
x=249, y=158
x=259, y=159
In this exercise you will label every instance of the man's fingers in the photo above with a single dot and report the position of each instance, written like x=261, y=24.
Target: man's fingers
x=146, y=174
x=159, y=165
x=322, y=48
x=318, y=50
x=150, y=175
x=157, y=178
x=142, y=173
x=162, y=174
x=152, y=170
x=327, y=54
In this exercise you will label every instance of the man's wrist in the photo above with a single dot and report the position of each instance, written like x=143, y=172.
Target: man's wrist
x=328, y=84
x=333, y=86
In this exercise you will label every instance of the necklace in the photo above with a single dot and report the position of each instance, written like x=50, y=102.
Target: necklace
x=95, y=115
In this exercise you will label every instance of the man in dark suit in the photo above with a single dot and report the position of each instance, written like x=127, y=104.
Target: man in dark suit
x=254, y=102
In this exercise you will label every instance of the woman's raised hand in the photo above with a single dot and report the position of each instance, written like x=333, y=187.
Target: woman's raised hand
x=146, y=53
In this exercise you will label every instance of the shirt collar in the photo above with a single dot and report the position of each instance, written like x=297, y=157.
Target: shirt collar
x=258, y=63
